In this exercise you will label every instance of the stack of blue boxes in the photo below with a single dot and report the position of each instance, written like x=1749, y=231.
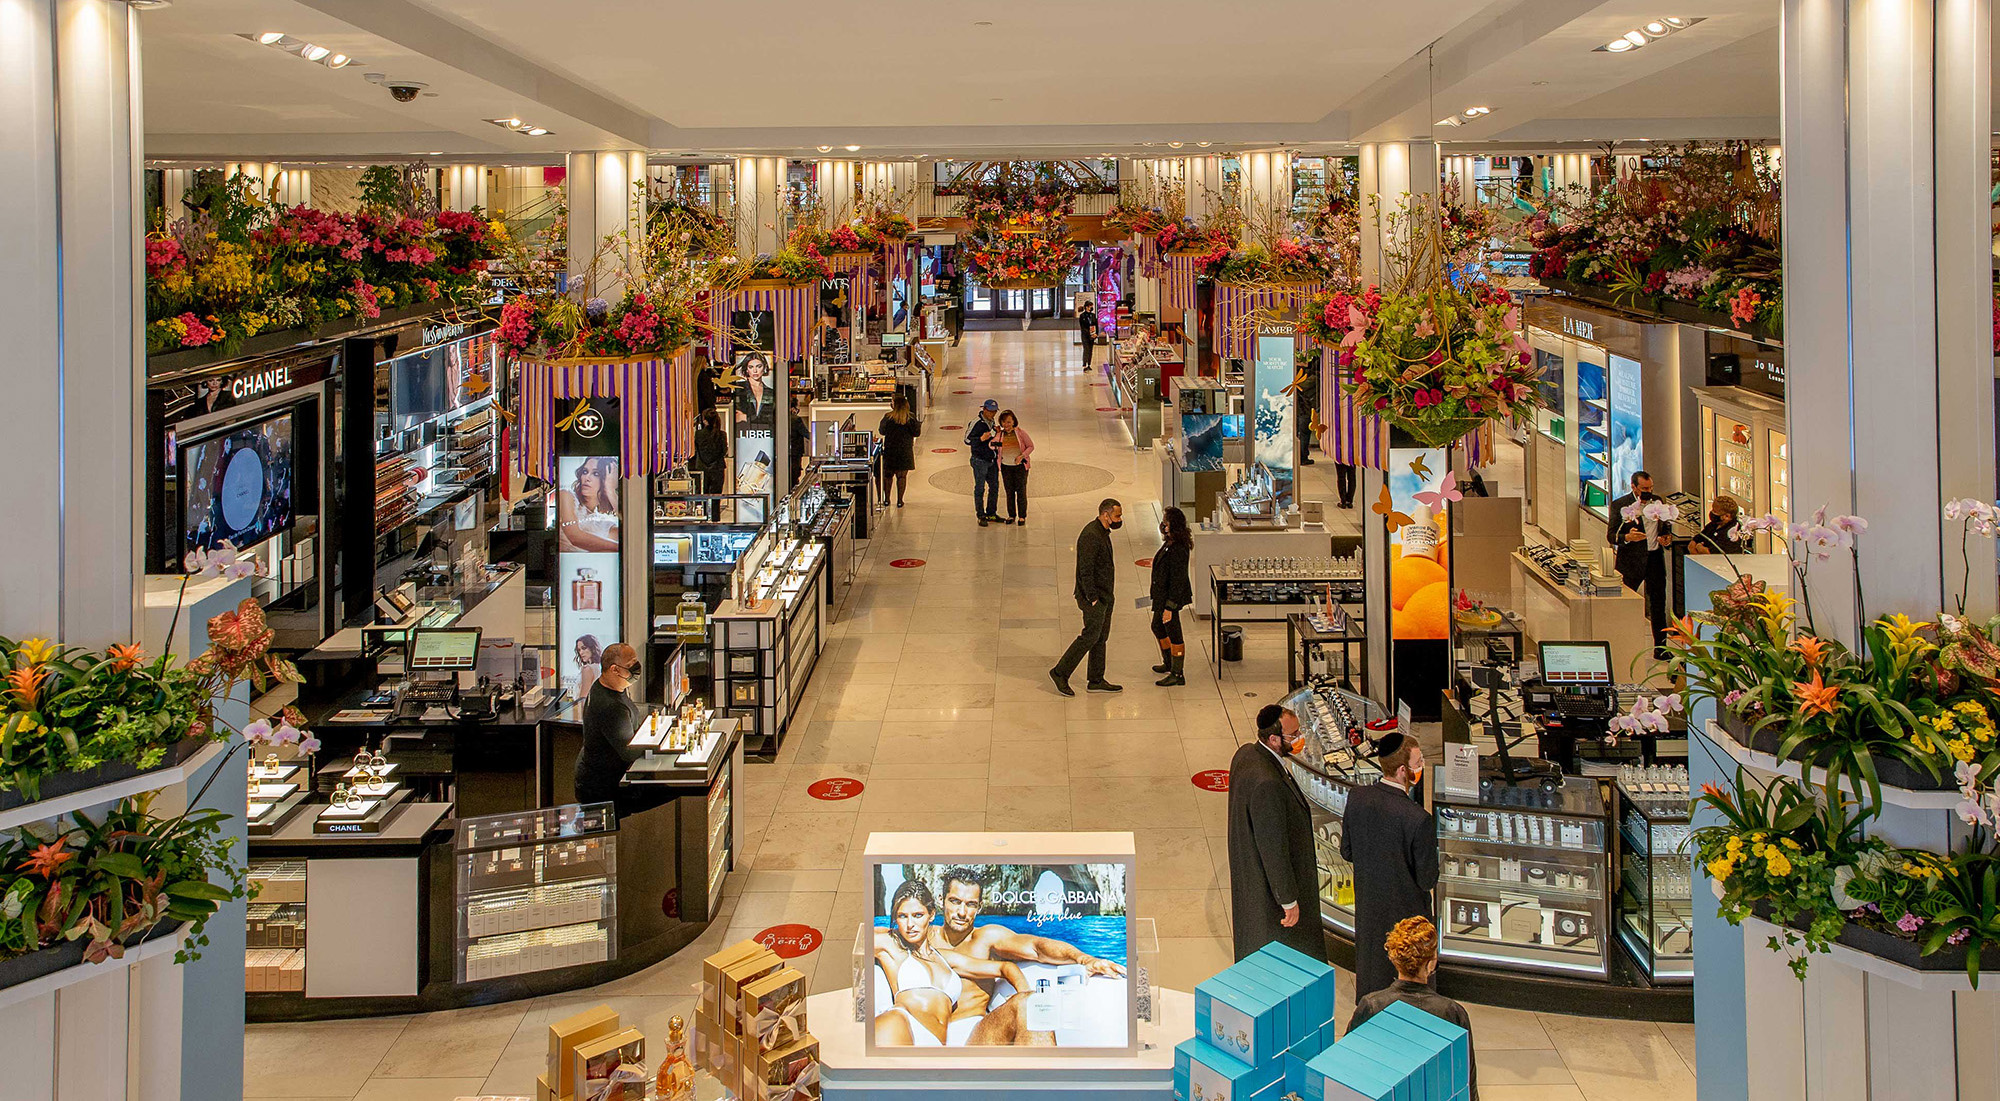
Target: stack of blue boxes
x=1264, y=1031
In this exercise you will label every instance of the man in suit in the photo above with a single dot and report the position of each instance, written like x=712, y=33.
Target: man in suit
x=1640, y=546
x=1096, y=576
x=1273, y=877
x=1392, y=843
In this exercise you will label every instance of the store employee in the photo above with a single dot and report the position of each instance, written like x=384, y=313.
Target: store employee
x=610, y=719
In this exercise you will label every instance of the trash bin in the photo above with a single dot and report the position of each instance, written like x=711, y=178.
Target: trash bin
x=1232, y=643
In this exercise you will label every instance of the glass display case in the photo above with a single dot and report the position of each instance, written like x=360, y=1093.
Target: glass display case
x=274, y=956
x=1522, y=878
x=1655, y=901
x=1780, y=464
x=1593, y=437
x=537, y=890
x=1327, y=772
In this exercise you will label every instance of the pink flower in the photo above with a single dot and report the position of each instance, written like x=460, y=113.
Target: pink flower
x=1909, y=923
x=1435, y=359
x=1381, y=404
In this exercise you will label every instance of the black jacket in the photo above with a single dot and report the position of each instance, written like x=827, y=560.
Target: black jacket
x=1171, y=589
x=711, y=457
x=610, y=718
x=1630, y=557
x=982, y=449
x=1271, y=858
x=1392, y=843
x=1715, y=536
x=1086, y=323
x=1096, y=576
x=899, y=449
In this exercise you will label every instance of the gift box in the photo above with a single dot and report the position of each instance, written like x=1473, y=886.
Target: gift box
x=1409, y=1071
x=729, y=1062
x=1341, y=1074
x=772, y=1011
x=1321, y=980
x=790, y=1073
x=734, y=977
x=564, y=1037
x=542, y=1090
x=711, y=974
x=611, y=1068
x=706, y=1050
x=1450, y=1045
x=1283, y=983
x=1251, y=1025
x=1206, y=1073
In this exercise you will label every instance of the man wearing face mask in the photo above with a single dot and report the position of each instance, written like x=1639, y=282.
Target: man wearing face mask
x=1392, y=843
x=1273, y=880
x=610, y=718
x=1096, y=584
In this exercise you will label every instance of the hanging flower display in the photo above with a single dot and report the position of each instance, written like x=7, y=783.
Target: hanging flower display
x=1017, y=241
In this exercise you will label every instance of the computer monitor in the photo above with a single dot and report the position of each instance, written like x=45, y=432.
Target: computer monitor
x=1576, y=664
x=443, y=649
x=895, y=340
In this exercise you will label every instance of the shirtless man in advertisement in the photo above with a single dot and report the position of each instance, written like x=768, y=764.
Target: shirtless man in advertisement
x=964, y=897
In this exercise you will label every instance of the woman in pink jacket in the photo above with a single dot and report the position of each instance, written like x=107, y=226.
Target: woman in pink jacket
x=1014, y=447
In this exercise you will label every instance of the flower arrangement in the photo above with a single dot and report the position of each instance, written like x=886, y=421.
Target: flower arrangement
x=1185, y=235
x=1019, y=240
x=237, y=267
x=1437, y=364
x=1289, y=260
x=1702, y=231
x=1129, y=217
x=659, y=308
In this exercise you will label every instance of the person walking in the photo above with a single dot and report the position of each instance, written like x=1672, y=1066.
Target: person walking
x=899, y=431
x=1273, y=877
x=1015, y=447
x=1171, y=592
x=1086, y=327
x=1392, y=843
x=1096, y=576
x=981, y=438
x=1412, y=947
x=801, y=442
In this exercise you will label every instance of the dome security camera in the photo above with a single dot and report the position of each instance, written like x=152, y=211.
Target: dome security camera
x=404, y=91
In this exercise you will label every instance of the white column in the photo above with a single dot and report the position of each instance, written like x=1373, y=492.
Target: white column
x=174, y=184
x=760, y=204
x=1203, y=177
x=1267, y=183
x=834, y=181
x=604, y=202
x=1389, y=171
x=465, y=187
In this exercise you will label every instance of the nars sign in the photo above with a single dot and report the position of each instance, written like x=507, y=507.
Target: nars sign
x=1582, y=330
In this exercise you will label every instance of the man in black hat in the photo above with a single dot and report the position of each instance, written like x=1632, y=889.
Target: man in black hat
x=1273, y=878
x=1392, y=843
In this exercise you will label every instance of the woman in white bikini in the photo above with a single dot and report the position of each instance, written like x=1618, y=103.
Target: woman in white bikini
x=926, y=981
x=587, y=512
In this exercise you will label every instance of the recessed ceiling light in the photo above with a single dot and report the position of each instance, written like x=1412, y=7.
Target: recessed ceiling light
x=1651, y=30
x=339, y=61
x=519, y=127
x=983, y=23
x=314, y=53
x=826, y=148
x=853, y=149
x=1202, y=144
x=1616, y=46
x=514, y=122
x=1655, y=29
x=1676, y=22
x=536, y=132
x=1173, y=145
x=271, y=38
x=148, y=5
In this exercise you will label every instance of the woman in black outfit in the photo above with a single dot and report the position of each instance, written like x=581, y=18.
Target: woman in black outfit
x=1171, y=593
x=1720, y=534
x=899, y=430
x=711, y=456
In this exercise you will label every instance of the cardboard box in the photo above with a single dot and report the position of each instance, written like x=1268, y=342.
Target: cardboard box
x=734, y=977
x=1322, y=980
x=790, y=1072
x=597, y=1060
x=1408, y=1070
x=779, y=1001
x=1251, y=1025
x=1286, y=984
x=1205, y=1073
x=1452, y=1043
x=566, y=1034
x=711, y=974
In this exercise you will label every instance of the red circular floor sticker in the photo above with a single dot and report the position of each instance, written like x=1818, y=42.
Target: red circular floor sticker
x=1109, y=409
x=789, y=942
x=944, y=450
x=1143, y=562
x=901, y=564
x=1214, y=779
x=953, y=427
x=834, y=788
x=961, y=391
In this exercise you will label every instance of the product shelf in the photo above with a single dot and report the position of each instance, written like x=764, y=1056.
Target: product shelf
x=158, y=778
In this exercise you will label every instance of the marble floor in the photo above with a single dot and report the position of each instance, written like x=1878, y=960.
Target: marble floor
x=933, y=692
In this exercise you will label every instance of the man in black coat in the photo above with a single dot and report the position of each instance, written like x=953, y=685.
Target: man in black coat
x=1273, y=876
x=1640, y=546
x=1096, y=577
x=1392, y=843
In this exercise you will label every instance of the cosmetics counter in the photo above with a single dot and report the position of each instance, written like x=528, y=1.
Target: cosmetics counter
x=765, y=641
x=1535, y=884
x=1270, y=589
x=1200, y=438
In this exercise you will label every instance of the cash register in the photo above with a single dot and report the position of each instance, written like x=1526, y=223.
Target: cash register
x=437, y=655
x=1575, y=697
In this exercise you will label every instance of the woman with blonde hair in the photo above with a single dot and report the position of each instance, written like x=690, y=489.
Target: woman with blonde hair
x=899, y=431
x=1412, y=947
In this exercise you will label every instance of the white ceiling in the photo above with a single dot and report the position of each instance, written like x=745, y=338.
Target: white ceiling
x=904, y=77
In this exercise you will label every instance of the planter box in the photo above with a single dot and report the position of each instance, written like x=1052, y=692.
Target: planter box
x=1890, y=771
x=68, y=954
x=67, y=783
x=1907, y=953
x=1668, y=308
x=168, y=363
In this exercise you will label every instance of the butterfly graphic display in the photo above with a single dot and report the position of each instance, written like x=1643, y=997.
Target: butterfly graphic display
x=1385, y=507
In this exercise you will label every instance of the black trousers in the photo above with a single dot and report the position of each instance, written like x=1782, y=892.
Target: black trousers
x=1170, y=631
x=1089, y=349
x=1096, y=631
x=1344, y=477
x=1014, y=484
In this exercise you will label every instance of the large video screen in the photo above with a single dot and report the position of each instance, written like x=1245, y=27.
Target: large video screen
x=1001, y=956
x=238, y=486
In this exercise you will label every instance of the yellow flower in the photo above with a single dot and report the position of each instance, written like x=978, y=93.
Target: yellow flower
x=1902, y=633
x=35, y=651
x=1779, y=865
x=1922, y=742
x=1721, y=869
x=1959, y=748
x=1735, y=845
x=1791, y=844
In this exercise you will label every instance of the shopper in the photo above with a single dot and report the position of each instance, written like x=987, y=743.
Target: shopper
x=1086, y=327
x=801, y=442
x=1304, y=401
x=1343, y=474
x=1640, y=546
x=1172, y=592
x=610, y=719
x=899, y=431
x=1273, y=876
x=711, y=451
x=1392, y=844
x=1720, y=534
x=1015, y=447
x=981, y=438
x=1412, y=947
x=1096, y=576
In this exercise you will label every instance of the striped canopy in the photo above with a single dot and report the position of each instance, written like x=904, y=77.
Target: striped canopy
x=1149, y=254
x=655, y=409
x=1362, y=439
x=795, y=304
x=1237, y=306
x=863, y=289
x=1177, y=278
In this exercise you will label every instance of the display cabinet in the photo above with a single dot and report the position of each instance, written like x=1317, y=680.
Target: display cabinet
x=1744, y=451
x=1327, y=772
x=1269, y=590
x=1655, y=901
x=537, y=890
x=1522, y=878
x=274, y=940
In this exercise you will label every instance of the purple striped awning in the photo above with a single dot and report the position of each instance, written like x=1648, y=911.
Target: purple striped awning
x=794, y=303
x=1362, y=439
x=1237, y=306
x=1149, y=254
x=899, y=263
x=1178, y=271
x=863, y=289
x=655, y=409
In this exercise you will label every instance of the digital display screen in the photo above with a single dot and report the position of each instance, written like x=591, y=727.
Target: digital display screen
x=442, y=648
x=1569, y=663
x=721, y=546
x=238, y=486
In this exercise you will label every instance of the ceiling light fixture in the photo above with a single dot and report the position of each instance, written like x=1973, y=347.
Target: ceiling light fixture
x=297, y=47
x=527, y=129
x=1475, y=112
x=826, y=148
x=314, y=53
x=1650, y=31
x=271, y=38
x=1202, y=144
x=1173, y=145
x=853, y=149
x=148, y=5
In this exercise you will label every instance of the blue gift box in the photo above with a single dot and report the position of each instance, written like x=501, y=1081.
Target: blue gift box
x=1203, y=1073
x=1285, y=984
x=1322, y=978
x=1454, y=1043
x=1341, y=1074
x=1410, y=1069
x=1310, y=1001
x=1234, y=1014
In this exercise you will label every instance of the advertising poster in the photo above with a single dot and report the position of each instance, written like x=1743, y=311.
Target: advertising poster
x=1420, y=487
x=1274, y=433
x=589, y=540
x=756, y=459
x=1628, y=450
x=1001, y=955
x=835, y=339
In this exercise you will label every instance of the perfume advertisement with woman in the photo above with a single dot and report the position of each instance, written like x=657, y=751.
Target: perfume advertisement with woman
x=1001, y=955
x=588, y=547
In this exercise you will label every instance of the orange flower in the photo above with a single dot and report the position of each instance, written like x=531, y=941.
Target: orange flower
x=1812, y=648
x=48, y=859
x=124, y=656
x=1815, y=697
x=26, y=684
x=1681, y=632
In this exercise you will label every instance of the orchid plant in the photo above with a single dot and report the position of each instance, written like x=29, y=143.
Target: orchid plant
x=1649, y=715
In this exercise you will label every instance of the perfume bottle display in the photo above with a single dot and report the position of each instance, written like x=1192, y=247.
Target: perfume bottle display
x=586, y=593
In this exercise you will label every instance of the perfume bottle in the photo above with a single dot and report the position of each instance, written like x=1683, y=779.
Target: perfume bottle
x=271, y=764
x=586, y=593
x=1043, y=1013
x=675, y=1080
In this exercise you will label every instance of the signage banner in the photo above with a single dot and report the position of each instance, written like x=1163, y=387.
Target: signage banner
x=1274, y=434
x=834, y=342
x=589, y=541
x=1420, y=484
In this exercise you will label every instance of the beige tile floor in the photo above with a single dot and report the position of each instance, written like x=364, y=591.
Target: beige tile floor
x=933, y=692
